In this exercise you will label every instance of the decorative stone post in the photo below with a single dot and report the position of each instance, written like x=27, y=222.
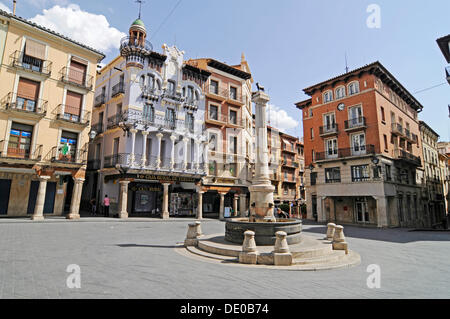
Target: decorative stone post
x=330, y=231
x=133, y=144
x=159, y=137
x=200, y=205
x=222, y=206
x=165, y=212
x=144, y=148
x=249, y=254
x=235, y=205
x=243, y=204
x=76, y=198
x=173, y=138
x=282, y=255
x=40, y=201
x=339, y=242
x=194, y=233
x=123, y=214
x=261, y=191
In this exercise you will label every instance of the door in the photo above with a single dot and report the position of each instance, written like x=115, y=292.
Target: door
x=34, y=187
x=5, y=189
x=355, y=116
x=329, y=122
x=358, y=144
x=314, y=207
x=362, y=210
x=50, y=193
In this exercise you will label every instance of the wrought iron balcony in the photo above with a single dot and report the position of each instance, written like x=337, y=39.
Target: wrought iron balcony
x=397, y=129
x=114, y=121
x=76, y=157
x=328, y=130
x=356, y=123
x=16, y=152
x=118, y=89
x=100, y=100
x=403, y=155
x=13, y=102
x=72, y=114
x=21, y=61
x=98, y=128
x=355, y=151
x=76, y=77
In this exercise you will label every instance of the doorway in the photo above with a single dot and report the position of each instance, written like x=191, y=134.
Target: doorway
x=5, y=189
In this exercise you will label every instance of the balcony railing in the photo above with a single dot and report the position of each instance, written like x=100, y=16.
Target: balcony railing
x=403, y=155
x=28, y=63
x=132, y=117
x=76, y=77
x=355, y=123
x=227, y=94
x=15, y=152
x=397, y=129
x=13, y=102
x=113, y=121
x=77, y=157
x=346, y=152
x=118, y=89
x=100, y=100
x=98, y=128
x=222, y=118
x=328, y=130
x=72, y=114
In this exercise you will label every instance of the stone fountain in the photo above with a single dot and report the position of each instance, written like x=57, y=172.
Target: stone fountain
x=262, y=220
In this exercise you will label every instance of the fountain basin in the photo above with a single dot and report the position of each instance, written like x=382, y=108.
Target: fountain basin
x=264, y=231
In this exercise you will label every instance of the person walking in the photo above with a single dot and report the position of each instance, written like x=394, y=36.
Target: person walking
x=94, y=207
x=106, y=204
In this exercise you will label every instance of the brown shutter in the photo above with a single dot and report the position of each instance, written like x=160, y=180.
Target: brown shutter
x=73, y=103
x=79, y=61
x=35, y=49
x=28, y=89
x=77, y=72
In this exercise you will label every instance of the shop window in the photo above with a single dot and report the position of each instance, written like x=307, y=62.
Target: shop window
x=332, y=175
x=360, y=173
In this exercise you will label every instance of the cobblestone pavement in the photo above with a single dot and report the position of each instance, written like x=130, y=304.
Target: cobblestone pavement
x=136, y=259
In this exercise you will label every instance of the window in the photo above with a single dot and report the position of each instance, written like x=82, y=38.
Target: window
x=358, y=144
x=212, y=141
x=68, y=146
x=190, y=121
x=310, y=113
x=387, y=169
x=213, y=112
x=77, y=71
x=72, y=109
x=170, y=118
x=327, y=97
x=27, y=95
x=233, y=93
x=332, y=175
x=20, y=140
x=312, y=133
x=362, y=210
x=213, y=168
x=385, y=142
x=233, y=145
x=360, y=173
x=171, y=87
x=383, y=118
x=34, y=56
x=340, y=92
x=233, y=117
x=313, y=178
x=353, y=88
x=233, y=169
x=214, y=87
x=329, y=122
x=355, y=116
x=148, y=113
x=331, y=148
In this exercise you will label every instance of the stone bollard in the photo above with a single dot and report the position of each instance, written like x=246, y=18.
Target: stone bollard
x=330, y=231
x=339, y=242
x=193, y=234
x=282, y=255
x=249, y=254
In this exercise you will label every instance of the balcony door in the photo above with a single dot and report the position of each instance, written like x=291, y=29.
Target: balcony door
x=72, y=109
x=77, y=71
x=331, y=147
x=362, y=210
x=68, y=146
x=27, y=95
x=355, y=116
x=20, y=140
x=329, y=122
x=358, y=144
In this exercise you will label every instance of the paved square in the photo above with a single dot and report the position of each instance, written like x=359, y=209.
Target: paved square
x=136, y=259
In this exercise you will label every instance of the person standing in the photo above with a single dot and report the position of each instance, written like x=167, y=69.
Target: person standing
x=106, y=204
x=94, y=207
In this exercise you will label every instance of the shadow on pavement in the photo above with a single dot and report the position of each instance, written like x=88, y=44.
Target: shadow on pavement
x=147, y=246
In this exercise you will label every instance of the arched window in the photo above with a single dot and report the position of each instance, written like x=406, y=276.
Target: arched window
x=327, y=96
x=340, y=92
x=353, y=88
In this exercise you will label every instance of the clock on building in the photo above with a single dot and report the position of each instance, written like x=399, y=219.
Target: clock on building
x=341, y=107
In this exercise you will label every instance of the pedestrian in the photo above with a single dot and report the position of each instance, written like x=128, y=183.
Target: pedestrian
x=94, y=207
x=106, y=206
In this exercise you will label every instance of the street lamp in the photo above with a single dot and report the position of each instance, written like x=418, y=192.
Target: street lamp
x=375, y=160
x=311, y=167
x=92, y=134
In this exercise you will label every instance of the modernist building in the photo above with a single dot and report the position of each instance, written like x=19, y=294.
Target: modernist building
x=229, y=124
x=433, y=177
x=149, y=154
x=363, y=150
x=46, y=97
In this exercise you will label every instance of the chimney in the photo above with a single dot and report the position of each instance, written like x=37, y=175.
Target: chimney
x=14, y=7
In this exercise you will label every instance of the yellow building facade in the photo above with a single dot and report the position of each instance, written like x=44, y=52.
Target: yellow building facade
x=46, y=96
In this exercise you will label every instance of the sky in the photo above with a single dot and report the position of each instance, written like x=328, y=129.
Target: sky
x=289, y=44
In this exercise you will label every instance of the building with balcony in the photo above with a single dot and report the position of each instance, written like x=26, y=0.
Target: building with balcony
x=433, y=178
x=228, y=120
x=149, y=154
x=46, y=101
x=363, y=150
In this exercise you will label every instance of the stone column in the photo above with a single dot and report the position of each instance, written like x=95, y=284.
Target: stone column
x=144, y=148
x=200, y=205
x=321, y=215
x=235, y=205
x=173, y=138
x=165, y=212
x=185, y=153
x=197, y=155
x=123, y=199
x=222, y=206
x=205, y=156
x=40, y=201
x=159, y=137
x=382, y=208
x=243, y=204
x=76, y=198
x=133, y=142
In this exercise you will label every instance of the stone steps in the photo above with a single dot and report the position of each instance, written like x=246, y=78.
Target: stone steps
x=350, y=260
x=202, y=253
x=333, y=256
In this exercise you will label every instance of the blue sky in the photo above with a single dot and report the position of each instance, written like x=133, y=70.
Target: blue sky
x=289, y=44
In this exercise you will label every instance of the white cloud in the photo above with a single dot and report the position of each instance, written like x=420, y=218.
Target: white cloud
x=90, y=29
x=45, y=3
x=280, y=119
x=4, y=8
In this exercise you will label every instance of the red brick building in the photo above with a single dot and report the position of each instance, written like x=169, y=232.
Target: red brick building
x=362, y=150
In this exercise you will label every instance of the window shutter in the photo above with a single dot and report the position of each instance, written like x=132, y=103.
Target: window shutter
x=73, y=103
x=77, y=72
x=35, y=49
x=28, y=89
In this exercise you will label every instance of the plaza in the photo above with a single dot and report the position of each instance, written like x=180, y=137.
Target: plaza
x=139, y=258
